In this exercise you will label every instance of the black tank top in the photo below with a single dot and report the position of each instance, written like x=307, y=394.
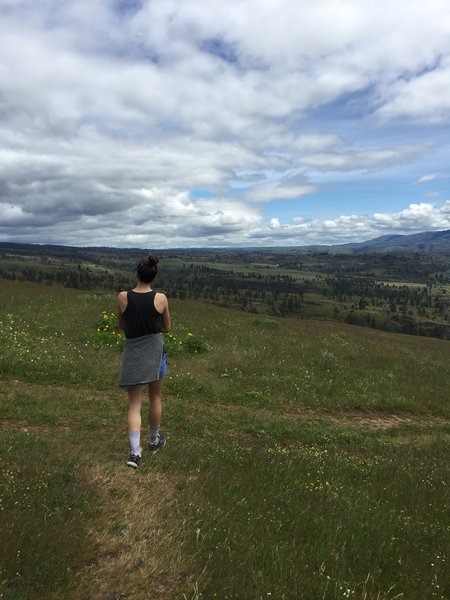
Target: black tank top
x=141, y=316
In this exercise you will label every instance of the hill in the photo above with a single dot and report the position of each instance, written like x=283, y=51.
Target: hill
x=436, y=241
x=427, y=241
x=305, y=459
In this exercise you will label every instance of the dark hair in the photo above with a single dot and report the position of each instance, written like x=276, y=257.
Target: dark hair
x=146, y=269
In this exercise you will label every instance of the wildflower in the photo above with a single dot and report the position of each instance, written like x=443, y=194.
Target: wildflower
x=190, y=334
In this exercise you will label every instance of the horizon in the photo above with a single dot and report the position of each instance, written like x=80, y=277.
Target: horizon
x=242, y=124
x=225, y=248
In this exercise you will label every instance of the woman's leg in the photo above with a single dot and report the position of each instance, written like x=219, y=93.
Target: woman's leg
x=155, y=408
x=134, y=418
x=154, y=397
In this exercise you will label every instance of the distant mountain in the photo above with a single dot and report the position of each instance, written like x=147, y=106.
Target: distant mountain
x=436, y=241
x=429, y=241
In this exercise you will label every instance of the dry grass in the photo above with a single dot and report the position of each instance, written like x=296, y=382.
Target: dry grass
x=139, y=553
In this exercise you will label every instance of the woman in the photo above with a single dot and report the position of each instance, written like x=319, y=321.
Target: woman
x=144, y=315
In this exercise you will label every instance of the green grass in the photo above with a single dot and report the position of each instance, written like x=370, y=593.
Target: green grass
x=44, y=511
x=313, y=521
x=306, y=460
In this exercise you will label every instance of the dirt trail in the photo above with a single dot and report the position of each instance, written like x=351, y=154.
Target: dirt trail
x=138, y=553
x=27, y=427
x=371, y=421
x=341, y=418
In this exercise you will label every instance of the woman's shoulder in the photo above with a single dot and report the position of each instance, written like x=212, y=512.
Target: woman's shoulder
x=123, y=299
x=160, y=298
x=160, y=302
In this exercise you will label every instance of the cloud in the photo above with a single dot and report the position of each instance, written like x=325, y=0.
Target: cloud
x=355, y=227
x=356, y=160
x=113, y=113
x=425, y=97
x=425, y=178
x=281, y=191
x=182, y=221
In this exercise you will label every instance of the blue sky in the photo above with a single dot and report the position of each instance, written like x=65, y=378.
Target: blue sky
x=273, y=122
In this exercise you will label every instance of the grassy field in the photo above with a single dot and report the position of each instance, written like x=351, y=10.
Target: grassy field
x=395, y=292
x=306, y=460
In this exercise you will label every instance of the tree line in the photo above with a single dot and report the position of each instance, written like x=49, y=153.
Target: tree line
x=342, y=288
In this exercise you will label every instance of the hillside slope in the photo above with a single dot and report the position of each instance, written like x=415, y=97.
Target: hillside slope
x=305, y=459
x=435, y=241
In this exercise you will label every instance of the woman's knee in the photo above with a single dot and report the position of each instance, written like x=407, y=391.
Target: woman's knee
x=154, y=391
x=135, y=396
x=154, y=399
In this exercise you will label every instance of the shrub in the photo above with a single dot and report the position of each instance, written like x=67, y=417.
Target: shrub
x=107, y=332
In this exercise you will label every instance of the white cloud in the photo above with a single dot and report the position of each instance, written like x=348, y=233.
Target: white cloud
x=275, y=223
x=159, y=221
x=425, y=97
x=355, y=160
x=425, y=178
x=282, y=191
x=109, y=116
x=356, y=227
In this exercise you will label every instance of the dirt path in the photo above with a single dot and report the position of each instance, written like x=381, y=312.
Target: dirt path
x=372, y=421
x=341, y=418
x=139, y=554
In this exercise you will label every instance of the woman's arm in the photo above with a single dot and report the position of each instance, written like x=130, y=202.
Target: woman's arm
x=162, y=306
x=123, y=301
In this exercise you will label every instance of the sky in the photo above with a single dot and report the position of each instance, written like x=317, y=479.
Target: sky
x=223, y=123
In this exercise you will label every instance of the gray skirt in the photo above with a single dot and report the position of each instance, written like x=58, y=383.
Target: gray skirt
x=141, y=360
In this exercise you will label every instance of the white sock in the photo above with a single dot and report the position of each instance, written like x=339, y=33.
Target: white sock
x=135, y=442
x=154, y=434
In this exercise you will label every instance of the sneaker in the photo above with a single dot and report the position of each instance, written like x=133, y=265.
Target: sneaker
x=160, y=443
x=133, y=460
